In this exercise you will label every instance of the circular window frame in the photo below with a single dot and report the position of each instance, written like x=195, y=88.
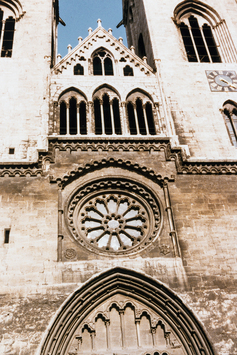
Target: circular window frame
x=143, y=196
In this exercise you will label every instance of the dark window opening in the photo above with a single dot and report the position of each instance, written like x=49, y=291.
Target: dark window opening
x=127, y=71
x=11, y=150
x=230, y=116
x=97, y=66
x=8, y=37
x=150, y=120
x=1, y=17
x=102, y=54
x=197, y=36
x=97, y=113
x=78, y=69
x=131, y=119
x=130, y=14
x=141, y=47
x=83, y=129
x=63, y=118
x=6, y=236
x=140, y=117
x=211, y=44
x=108, y=66
x=73, y=116
x=107, y=115
x=117, y=123
x=188, y=44
x=122, y=60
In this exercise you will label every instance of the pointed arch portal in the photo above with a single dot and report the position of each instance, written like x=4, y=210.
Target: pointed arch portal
x=124, y=312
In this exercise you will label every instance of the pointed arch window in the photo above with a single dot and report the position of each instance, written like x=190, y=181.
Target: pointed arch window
x=72, y=112
x=7, y=30
x=107, y=113
x=230, y=116
x=140, y=115
x=205, y=34
x=141, y=47
x=102, y=63
x=199, y=42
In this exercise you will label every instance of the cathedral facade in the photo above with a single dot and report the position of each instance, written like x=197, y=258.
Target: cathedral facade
x=118, y=182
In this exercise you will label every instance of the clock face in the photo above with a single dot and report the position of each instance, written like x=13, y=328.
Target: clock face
x=222, y=80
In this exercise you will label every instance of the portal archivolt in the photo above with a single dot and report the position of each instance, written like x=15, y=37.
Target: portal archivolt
x=123, y=312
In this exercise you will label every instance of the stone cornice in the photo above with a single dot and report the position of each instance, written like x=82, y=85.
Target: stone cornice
x=127, y=144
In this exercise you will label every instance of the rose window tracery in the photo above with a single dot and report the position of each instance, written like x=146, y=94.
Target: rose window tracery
x=113, y=217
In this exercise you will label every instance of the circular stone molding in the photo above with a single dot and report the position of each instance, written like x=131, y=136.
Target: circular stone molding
x=114, y=216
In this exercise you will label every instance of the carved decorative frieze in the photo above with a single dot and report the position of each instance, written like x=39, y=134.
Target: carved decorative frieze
x=183, y=166
x=96, y=164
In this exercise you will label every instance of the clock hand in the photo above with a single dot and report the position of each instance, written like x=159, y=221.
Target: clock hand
x=227, y=82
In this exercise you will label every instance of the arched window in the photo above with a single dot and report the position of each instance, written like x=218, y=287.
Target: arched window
x=140, y=114
x=106, y=112
x=205, y=35
x=7, y=29
x=230, y=115
x=78, y=69
x=63, y=118
x=199, y=42
x=102, y=63
x=141, y=47
x=72, y=114
x=127, y=71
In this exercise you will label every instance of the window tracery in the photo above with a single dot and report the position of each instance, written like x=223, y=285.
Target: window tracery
x=72, y=107
x=107, y=218
x=230, y=116
x=140, y=114
x=102, y=63
x=199, y=42
x=123, y=323
x=205, y=34
x=7, y=30
x=107, y=112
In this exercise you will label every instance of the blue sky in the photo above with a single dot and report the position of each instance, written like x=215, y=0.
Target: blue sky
x=80, y=15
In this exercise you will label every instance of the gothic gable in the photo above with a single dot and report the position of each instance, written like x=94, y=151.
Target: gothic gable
x=102, y=40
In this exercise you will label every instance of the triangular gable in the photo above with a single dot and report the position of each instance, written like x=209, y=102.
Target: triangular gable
x=102, y=38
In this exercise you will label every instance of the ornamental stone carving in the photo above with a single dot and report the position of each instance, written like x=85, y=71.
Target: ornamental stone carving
x=113, y=216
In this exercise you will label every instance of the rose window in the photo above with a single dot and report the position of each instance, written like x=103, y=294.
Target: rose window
x=113, y=217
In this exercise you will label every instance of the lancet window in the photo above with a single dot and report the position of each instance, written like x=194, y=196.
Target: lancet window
x=230, y=116
x=102, y=63
x=7, y=29
x=199, y=42
x=72, y=114
x=141, y=47
x=140, y=114
x=107, y=112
